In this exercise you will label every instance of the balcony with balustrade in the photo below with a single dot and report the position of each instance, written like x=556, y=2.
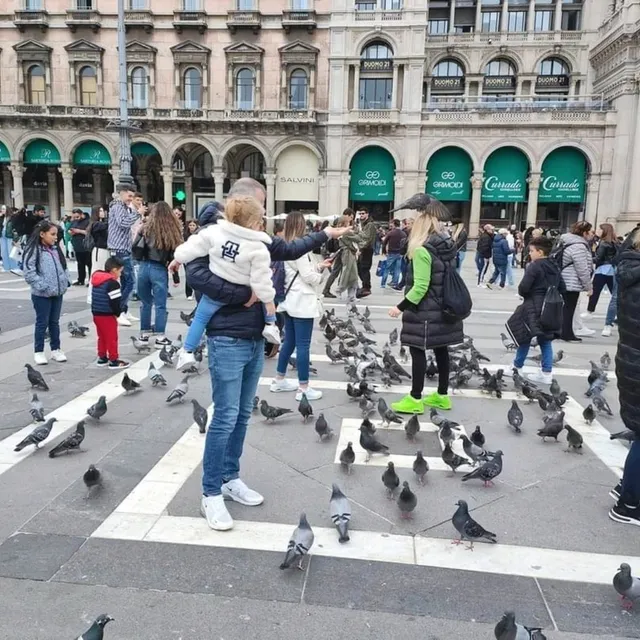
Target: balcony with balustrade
x=191, y=16
x=83, y=14
x=137, y=18
x=31, y=14
x=244, y=19
x=293, y=19
x=498, y=38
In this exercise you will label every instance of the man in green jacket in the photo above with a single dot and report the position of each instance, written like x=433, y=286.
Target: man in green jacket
x=367, y=238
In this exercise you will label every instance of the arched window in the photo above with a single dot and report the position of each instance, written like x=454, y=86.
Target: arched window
x=299, y=90
x=245, y=89
x=192, y=89
x=499, y=81
x=447, y=78
x=377, y=51
x=376, y=76
x=448, y=68
x=88, y=87
x=36, y=93
x=553, y=77
x=554, y=67
x=139, y=88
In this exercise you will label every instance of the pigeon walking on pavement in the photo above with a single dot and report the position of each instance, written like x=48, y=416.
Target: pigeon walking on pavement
x=574, y=439
x=420, y=467
x=486, y=472
x=393, y=338
x=324, y=431
x=507, y=343
x=200, y=415
x=97, y=410
x=601, y=405
x=271, y=413
x=390, y=480
x=36, y=408
x=407, y=501
x=371, y=444
x=515, y=417
x=553, y=427
x=96, y=630
x=468, y=528
x=451, y=459
x=366, y=406
x=299, y=545
x=589, y=414
x=92, y=477
x=35, y=379
x=340, y=512
x=388, y=416
x=508, y=629
x=627, y=585
x=472, y=451
x=71, y=442
x=347, y=457
x=304, y=408
x=165, y=356
x=180, y=391
x=157, y=379
x=141, y=346
x=605, y=360
x=412, y=427
x=477, y=437
x=129, y=385
x=37, y=436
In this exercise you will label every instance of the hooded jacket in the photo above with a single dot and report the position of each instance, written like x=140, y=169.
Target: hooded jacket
x=44, y=272
x=77, y=239
x=500, y=250
x=577, y=262
x=105, y=294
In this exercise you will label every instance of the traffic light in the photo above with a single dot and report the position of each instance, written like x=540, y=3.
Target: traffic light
x=180, y=195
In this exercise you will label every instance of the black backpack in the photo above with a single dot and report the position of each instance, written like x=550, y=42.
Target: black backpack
x=456, y=303
x=557, y=255
x=552, y=309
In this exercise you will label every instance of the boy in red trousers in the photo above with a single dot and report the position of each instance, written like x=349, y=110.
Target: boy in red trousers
x=105, y=307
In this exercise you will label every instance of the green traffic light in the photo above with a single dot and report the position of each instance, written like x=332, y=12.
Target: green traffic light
x=180, y=196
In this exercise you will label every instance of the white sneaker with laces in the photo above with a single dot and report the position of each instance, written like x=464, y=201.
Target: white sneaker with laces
x=185, y=358
x=584, y=331
x=277, y=386
x=312, y=394
x=131, y=317
x=58, y=355
x=238, y=491
x=271, y=334
x=215, y=511
x=541, y=377
x=606, y=332
x=40, y=358
x=586, y=314
x=123, y=321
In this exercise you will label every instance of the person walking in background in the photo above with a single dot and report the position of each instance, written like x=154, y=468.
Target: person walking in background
x=45, y=271
x=392, y=245
x=8, y=240
x=511, y=241
x=605, y=271
x=78, y=233
x=333, y=247
x=501, y=252
x=190, y=229
x=97, y=232
x=460, y=237
x=483, y=252
x=68, y=247
x=365, y=261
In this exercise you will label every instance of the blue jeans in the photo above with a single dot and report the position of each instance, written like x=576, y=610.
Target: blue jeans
x=546, y=351
x=510, y=272
x=394, y=262
x=612, y=309
x=152, y=291
x=47, y=317
x=460, y=259
x=5, y=248
x=127, y=278
x=235, y=366
x=630, y=493
x=499, y=270
x=482, y=265
x=297, y=335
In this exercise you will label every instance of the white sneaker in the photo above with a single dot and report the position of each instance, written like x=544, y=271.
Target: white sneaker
x=606, y=332
x=215, y=511
x=586, y=314
x=312, y=394
x=277, y=386
x=584, y=331
x=58, y=355
x=271, y=334
x=185, y=358
x=238, y=491
x=131, y=317
x=541, y=377
x=40, y=358
x=123, y=321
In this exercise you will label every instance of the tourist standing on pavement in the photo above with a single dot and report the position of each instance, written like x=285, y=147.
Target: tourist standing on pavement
x=190, y=229
x=122, y=216
x=78, y=232
x=365, y=261
x=460, y=237
x=605, y=271
x=627, y=509
x=577, y=267
x=98, y=230
x=392, y=245
x=501, y=253
x=45, y=270
x=153, y=248
x=483, y=251
x=347, y=257
x=333, y=246
x=7, y=242
x=431, y=252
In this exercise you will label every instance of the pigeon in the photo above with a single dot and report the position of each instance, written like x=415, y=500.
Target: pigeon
x=141, y=346
x=595, y=373
x=390, y=480
x=553, y=427
x=403, y=354
x=589, y=414
x=299, y=545
x=574, y=439
x=388, y=416
x=96, y=630
x=333, y=356
x=256, y=403
x=329, y=333
x=371, y=444
x=439, y=420
x=129, y=385
x=393, y=338
x=561, y=398
x=76, y=331
x=366, y=406
x=71, y=442
x=451, y=459
x=368, y=327
x=529, y=392
x=627, y=585
x=432, y=369
x=347, y=457
x=323, y=430
x=507, y=343
x=37, y=436
x=445, y=432
x=165, y=356
x=187, y=318
x=597, y=387
x=200, y=416
x=420, y=467
x=425, y=203
x=155, y=376
x=271, y=413
x=92, y=477
x=468, y=528
x=412, y=427
x=627, y=435
x=605, y=360
x=477, y=437
x=508, y=629
x=97, y=410
x=304, y=408
x=180, y=391
x=488, y=471
x=36, y=379
x=340, y=511
x=515, y=417
x=601, y=405
x=554, y=388
x=407, y=501
x=36, y=408
x=176, y=344
x=368, y=425
x=472, y=451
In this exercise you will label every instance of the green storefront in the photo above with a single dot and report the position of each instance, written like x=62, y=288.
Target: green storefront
x=92, y=182
x=5, y=187
x=449, y=173
x=42, y=182
x=371, y=181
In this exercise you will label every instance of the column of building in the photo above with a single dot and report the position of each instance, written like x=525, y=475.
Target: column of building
x=167, y=183
x=53, y=196
x=476, y=203
x=17, y=172
x=67, y=188
x=532, y=203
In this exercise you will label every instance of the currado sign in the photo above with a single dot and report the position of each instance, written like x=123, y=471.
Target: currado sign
x=506, y=172
x=563, y=176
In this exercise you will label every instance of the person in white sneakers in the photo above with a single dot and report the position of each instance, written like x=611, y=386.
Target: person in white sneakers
x=45, y=271
x=238, y=253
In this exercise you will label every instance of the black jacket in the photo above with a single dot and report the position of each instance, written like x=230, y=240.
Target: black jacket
x=485, y=241
x=606, y=253
x=394, y=241
x=99, y=230
x=424, y=326
x=628, y=356
x=77, y=239
x=106, y=294
x=143, y=249
x=461, y=242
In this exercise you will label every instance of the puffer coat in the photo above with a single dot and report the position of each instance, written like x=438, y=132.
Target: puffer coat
x=577, y=262
x=501, y=250
x=424, y=326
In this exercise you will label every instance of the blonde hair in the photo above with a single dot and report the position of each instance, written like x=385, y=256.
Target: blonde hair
x=294, y=226
x=245, y=211
x=457, y=230
x=343, y=221
x=424, y=226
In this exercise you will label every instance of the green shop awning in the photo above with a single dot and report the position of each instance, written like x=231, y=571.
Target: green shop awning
x=92, y=153
x=449, y=175
x=505, y=176
x=372, y=171
x=41, y=152
x=563, y=178
x=4, y=153
x=143, y=149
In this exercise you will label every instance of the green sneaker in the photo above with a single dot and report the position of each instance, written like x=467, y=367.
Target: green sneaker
x=437, y=401
x=408, y=404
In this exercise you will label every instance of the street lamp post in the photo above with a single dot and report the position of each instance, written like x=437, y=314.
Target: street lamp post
x=125, y=134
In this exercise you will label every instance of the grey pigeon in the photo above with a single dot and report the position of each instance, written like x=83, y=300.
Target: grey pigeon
x=445, y=432
x=299, y=545
x=393, y=337
x=390, y=480
x=96, y=630
x=589, y=414
x=187, y=318
x=425, y=203
x=388, y=416
x=439, y=420
x=554, y=388
x=347, y=457
x=368, y=327
x=508, y=629
x=553, y=427
x=36, y=408
x=412, y=427
x=92, y=477
x=200, y=415
x=180, y=391
x=340, y=512
x=366, y=406
x=507, y=343
x=165, y=356
x=403, y=354
x=271, y=413
x=368, y=425
x=472, y=451
x=333, y=355
x=627, y=435
x=129, y=384
x=367, y=313
x=627, y=585
x=407, y=501
x=371, y=444
x=515, y=417
x=155, y=376
x=256, y=403
x=605, y=360
x=451, y=459
x=71, y=442
x=304, y=408
x=35, y=379
x=601, y=405
x=141, y=346
x=97, y=410
x=323, y=430
x=37, y=436
x=468, y=528
x=488, y=471
x=420, y=467
x=477, y=437
x=574, y=439
x=177, y=343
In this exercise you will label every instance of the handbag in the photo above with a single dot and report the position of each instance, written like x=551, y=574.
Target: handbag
x=16, y=253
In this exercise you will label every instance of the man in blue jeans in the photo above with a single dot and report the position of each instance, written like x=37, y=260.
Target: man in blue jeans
x=236, y=356
x=392, y=245
x=501, y=253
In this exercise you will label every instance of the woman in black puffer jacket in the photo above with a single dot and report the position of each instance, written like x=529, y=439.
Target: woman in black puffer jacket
x=628, y=374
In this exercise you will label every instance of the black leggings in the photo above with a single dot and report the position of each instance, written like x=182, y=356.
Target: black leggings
x=419, y=370
x=599, y=282
x=570, y=302
x=83, y=261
